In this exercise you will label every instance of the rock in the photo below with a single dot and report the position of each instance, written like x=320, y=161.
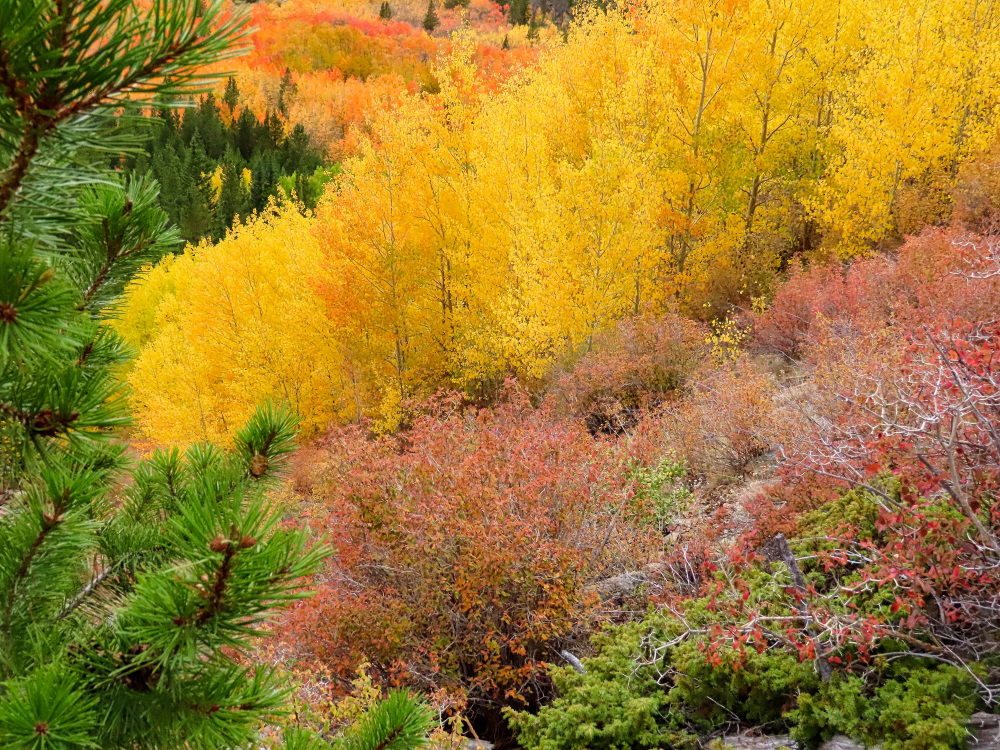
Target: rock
x=985, y=730
x=754, y=742
x=618, y=586
x=478, y=745
x=841, y=742
x=624, y=584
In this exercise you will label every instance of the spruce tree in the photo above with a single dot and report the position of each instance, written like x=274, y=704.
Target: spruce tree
x=244, y=133
x=385, y=11
x=263, y=180
x=125, y=591
x=285, y=89
x=296, y=154
x=431, y=20
x=231, y=96
x=532, y=35
x=196, y=202
x=233, y=195
x=273, y=131
x=167, y=169
x=210, y=127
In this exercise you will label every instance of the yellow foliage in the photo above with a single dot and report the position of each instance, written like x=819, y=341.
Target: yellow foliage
x=223, y=327
x=726, y=341
x=671, y=154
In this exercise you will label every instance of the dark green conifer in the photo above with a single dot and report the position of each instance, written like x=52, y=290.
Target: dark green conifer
x=233, y=195
x=209, y=125
x=195, y=202
x=243, y=133
x=275, y=131
x=385, y=11
x=129, y=596
x=431, y=20
x=518, y=12
x=532, y=35
x=231, y=96
x=263, y=181
x=286, y=89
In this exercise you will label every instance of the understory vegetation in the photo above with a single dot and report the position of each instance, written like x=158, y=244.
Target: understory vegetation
x=549, y=375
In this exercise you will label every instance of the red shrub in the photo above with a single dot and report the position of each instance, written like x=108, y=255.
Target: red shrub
x=942, y=272
x=466, y=546
x=914, y=422
x=640, y=364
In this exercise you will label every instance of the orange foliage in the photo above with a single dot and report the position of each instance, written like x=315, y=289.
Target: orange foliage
x=342, y=64
x=467, y=546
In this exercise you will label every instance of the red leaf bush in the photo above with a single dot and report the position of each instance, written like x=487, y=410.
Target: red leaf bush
x=467, y=547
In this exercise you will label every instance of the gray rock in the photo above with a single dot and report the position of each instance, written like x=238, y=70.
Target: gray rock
x=985, y=730
x=841, y=742
x=753, y=742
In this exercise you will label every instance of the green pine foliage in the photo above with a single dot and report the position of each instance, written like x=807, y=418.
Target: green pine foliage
x=183, y=152
x=532, y=35
x=231, y=96
x=128, y=594
x=385, y=11
x=285, y=89
x=400, y=722
x=650, y=684
x=519, y=12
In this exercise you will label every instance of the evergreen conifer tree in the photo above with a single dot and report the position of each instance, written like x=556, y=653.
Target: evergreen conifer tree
x=210, y=127
x=231, y=96
x=233, y=195
x=244, y=133
x=264, y=180
x=506, y=43
x=385, y=11
x=285, y=89
x=518, y=12
x=431, y=20
x=274, y=130
x=532, y=35
x=167, y=169
x=120, y=609
x=196, y=202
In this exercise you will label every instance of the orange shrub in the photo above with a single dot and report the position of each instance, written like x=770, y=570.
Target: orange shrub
x=465, y=549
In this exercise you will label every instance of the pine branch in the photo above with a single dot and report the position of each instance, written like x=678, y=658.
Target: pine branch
x=42, y=423
x=220, y=581
x=49, y=522
x=86, y=591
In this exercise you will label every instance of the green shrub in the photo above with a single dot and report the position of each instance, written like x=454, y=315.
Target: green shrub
x=919, y=706
x=617, y=704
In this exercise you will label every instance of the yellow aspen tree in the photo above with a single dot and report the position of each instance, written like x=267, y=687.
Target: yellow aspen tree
x=922, y=94
x=382, y=266
x=234, y=324
x=704, y=56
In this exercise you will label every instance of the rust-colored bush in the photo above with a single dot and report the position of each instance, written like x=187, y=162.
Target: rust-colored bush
x=466, y=548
